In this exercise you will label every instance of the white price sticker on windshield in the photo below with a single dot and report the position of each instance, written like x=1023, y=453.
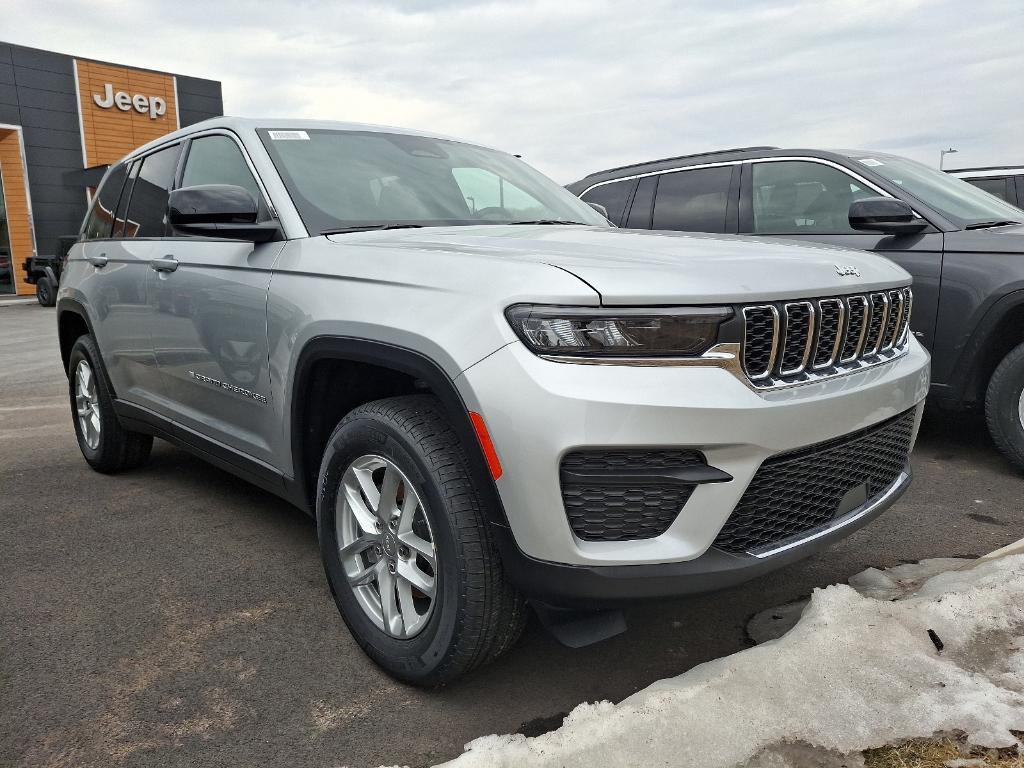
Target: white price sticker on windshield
x=288, y=135
x=871, y=161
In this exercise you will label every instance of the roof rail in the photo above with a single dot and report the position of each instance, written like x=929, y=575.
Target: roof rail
x=680, y=157
x=1011, y=167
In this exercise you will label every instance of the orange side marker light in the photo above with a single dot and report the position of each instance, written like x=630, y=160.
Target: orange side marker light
x=493, y=463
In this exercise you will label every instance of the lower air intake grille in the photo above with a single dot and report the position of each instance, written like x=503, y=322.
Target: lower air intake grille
x=796, y=492
x=614, y=511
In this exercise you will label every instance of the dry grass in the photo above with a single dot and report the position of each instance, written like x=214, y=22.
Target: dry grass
x=935, y=753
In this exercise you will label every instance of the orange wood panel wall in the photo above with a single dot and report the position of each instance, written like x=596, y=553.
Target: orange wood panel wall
x=12, y=169
x=109, y=134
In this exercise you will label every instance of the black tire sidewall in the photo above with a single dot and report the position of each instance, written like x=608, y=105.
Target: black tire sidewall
x=1003, y=403
x=417, y=658
x=44, y=292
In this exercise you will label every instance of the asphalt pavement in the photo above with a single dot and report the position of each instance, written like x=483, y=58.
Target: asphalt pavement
x=176, y=616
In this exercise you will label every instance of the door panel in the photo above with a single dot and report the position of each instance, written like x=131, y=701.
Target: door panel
x=210, y=339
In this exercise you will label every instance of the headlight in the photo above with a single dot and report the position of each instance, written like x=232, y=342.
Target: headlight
x=604, y=332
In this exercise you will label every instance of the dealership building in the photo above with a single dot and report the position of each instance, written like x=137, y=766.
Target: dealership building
x=63, y=121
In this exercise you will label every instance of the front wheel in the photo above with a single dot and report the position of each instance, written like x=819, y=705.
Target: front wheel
x=1004, y=406
x=406, y=547
x=46, y=292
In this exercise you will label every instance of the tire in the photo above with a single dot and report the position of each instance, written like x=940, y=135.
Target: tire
x=46, y=292
x=111, y=448
x=474, y=615
x=1004, y=406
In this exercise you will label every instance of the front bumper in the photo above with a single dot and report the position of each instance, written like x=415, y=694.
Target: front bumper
x=538, y=410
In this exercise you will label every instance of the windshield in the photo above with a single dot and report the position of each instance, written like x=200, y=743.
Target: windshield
x=963, y=204
x=365, y=179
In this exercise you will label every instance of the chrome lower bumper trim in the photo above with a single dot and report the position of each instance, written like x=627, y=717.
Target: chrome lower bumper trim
x=864, y=510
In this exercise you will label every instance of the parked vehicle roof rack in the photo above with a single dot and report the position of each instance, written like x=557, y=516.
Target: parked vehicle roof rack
x=681, y=157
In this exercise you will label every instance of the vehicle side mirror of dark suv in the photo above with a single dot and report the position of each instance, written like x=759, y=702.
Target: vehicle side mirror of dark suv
x=600, y=209
x=885, y=214
x=219, y=210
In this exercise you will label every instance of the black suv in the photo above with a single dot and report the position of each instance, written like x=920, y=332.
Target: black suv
x=964, y=247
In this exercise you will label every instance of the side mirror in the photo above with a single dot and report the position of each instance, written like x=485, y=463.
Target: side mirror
x=885, y=214
x=599, y=208
x=219, y=210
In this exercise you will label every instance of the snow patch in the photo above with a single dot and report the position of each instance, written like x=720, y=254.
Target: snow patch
x=857, y=671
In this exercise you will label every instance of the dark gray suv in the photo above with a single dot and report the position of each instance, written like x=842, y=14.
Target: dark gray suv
x=963, y=246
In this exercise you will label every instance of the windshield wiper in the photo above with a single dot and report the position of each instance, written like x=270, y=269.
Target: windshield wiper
x=544, y=221
x=987, y=224
x=368, y=228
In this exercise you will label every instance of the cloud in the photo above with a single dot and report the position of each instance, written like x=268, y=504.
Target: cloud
x=576, y=86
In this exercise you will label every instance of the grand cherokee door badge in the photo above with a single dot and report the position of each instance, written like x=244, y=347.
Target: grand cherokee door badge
x=230, y=387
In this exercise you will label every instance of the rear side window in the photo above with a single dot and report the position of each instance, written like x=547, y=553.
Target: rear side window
x=147, y=209
x=612, y=196
x=994, y=186
x=693, y=201
x=123, y=227
x=218, y=160
x=100, y=220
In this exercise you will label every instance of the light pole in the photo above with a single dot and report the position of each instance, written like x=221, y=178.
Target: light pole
x=942, y=155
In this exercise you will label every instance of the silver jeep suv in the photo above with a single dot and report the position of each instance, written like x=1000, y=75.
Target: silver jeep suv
x=484, y=393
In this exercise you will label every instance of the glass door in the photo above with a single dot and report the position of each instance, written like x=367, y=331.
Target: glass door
x=6, y=258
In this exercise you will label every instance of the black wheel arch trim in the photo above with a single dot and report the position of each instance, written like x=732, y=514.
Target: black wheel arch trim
x=74, y=307
x=957, y=390
x=409, y=362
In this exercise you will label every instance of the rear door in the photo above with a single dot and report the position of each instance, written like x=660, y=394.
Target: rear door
x=809, y=200
x=209, y=299
x=114, y=288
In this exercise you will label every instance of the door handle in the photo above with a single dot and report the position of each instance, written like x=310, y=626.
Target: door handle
x=166, y=264
x=99, y=261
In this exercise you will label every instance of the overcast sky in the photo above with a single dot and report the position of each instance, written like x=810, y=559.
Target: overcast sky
x=576, y=86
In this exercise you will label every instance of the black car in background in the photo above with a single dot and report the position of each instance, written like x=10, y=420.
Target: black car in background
x=1006, y=182
x=964, y=247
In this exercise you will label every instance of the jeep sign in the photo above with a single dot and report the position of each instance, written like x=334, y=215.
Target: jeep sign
x=154, y=105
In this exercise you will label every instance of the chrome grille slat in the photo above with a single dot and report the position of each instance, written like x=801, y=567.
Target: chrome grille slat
x=831, y=316
x=799, y=341
x=798, y=337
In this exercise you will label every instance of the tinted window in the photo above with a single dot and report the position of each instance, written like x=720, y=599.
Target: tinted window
x=123, y=227
x=693, y=201
x=101, y=216
x=796, y=197
x=612, y=196
x=147, y=210
x=218, y=160
x=643, y=200
x=994, y=186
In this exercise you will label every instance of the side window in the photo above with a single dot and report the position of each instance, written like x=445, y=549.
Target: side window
x=123, y=227
x=481, y=189
x=101, y=215
x=147, y=209
x=643, y=201
x=218, y=160
x=693, y=201
x=793, y=197
x=612, y=196
x=994, y=186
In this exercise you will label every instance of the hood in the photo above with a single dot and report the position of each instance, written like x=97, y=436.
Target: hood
x=642, y=267
x=1008, y=239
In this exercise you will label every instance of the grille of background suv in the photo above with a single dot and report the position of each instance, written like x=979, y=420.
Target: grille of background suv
x=796, y=341
x=795, y=492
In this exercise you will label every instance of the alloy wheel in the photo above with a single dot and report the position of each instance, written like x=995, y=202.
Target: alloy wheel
x=87, y=404
x=386, y=546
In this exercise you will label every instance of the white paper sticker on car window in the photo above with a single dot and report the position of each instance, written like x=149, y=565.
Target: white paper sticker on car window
x=871, y=161
x=288, y=135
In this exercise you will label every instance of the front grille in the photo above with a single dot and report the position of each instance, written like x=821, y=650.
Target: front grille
x=796, y=492
x=795, y=342
x=610, y=509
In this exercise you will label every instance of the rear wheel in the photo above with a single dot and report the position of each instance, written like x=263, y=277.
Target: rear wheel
x=105, y=444
x=1004, y=406
x=406, y=546
x=46, y=292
